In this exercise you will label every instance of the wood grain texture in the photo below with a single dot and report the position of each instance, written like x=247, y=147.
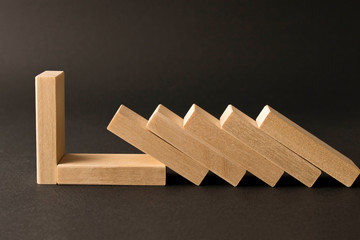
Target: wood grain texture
x=131, y=127
x=169, y=127
x=50, y=124
x=111, y=169
x=207, y=127
x=246, y=130
x=308, y=146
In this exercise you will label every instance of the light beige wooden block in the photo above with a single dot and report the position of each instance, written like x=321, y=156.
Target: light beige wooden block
x=308, y=146
x=207, y=127
x=246, y=130
x=111, y=169
x=131, y=127
x=50, y=124
x=168, y=126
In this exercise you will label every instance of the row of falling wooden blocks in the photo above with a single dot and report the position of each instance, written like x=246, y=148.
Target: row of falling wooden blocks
x=266, y=147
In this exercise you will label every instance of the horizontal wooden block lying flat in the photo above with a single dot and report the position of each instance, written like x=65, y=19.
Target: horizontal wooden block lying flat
x=50, y=124
x=207, y=127
x=246, y=130
x=168, y=126
x=131, y=127
x=110, y=169
x=308, y=146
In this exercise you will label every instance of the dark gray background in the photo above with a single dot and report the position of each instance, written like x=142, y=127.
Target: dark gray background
x=300, y=57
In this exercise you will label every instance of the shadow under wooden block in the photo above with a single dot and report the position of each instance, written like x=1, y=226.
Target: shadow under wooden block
x=110, y=169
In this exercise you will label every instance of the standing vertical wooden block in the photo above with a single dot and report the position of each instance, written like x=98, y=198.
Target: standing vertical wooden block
x=207, y=127
x=50, y=124
x=246, y=130
x=308, y=146
x=168, y=126
x=131, y=127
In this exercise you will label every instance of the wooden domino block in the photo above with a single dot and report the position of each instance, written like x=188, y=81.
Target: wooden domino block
x=168, y=126
x=207, y=127
x=246, y=130
x=110, y=169
x=50, y=124
x=131, y=127
x=308, y=146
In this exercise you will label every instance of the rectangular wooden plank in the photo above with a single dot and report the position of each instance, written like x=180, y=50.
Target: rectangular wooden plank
x=246, y=130
x=111, y=169
x=131, y=127
x=308, y=146
x=50, y=124
x=167, y=125
x=207, y=127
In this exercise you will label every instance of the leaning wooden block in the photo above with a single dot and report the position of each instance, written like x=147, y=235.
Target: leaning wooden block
x=50, y=124
x=111, y=169
x=207, y=127
x=308, y=146
x=246, y=130
x=131, y=127
x=168, y=126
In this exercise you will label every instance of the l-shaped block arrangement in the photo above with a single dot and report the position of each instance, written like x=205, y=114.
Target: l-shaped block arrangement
x=266, y=147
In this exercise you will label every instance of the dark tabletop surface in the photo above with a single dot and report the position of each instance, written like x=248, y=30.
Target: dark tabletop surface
x=300, y=57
